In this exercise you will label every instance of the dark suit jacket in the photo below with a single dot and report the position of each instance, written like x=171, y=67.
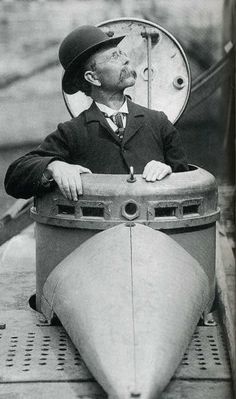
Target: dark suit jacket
x=89, y=141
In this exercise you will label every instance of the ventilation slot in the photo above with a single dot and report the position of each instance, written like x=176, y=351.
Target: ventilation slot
x=66, y=209
x=190, y=209
x=90, y=211
x=168, y=211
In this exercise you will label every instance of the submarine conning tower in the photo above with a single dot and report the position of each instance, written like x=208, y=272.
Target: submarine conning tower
x=183, y=206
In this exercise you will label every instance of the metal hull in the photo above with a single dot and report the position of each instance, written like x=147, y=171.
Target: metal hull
x=130, y=299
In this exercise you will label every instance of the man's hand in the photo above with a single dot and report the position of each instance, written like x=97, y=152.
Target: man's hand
x=68, y=178
x=155, y=170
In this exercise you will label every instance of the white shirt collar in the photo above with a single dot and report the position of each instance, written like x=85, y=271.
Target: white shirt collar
x=109, y=111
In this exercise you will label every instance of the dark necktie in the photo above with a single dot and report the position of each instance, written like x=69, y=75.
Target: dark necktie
x=118, y=121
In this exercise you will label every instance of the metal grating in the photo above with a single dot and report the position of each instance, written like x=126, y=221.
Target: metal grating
x=207, y=356
x=45, y=353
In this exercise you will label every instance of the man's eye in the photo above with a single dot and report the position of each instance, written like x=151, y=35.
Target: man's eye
x=122, y=53
x=115, y=55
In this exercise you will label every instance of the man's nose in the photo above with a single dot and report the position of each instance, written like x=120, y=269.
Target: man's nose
x=125, y=58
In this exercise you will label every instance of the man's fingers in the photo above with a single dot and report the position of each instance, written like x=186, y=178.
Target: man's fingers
x=68, y=178
x=64, y=187
x=150, y=169
x=73, y=190
x=151, y=176
x=154, y=177
x=58, y=180
x=84, y=170
x=155, y=170
x=72, y=187
x=163, y=173
x=146, y=171
x=67, y=189
x=79, y=188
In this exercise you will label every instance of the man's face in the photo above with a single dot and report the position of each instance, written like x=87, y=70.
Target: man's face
x=113, y=69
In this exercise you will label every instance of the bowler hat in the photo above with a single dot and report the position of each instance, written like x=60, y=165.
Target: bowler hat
x=76, y=49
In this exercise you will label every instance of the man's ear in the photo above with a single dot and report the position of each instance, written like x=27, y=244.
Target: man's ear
x=92, y=78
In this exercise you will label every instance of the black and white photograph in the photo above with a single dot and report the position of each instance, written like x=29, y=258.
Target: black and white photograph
x=117, y=199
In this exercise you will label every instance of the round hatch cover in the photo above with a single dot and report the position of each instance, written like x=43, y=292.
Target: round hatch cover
x=163, y=74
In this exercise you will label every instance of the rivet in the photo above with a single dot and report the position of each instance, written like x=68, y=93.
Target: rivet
x=129, y=224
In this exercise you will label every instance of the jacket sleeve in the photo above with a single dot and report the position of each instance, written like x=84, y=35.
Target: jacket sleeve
x=174, y=152
x=23, y=177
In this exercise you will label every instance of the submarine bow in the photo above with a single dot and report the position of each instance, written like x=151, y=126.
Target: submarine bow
x=130, y=298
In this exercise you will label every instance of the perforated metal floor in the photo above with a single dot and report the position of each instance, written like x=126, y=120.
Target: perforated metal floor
x=40, y=353
x=207, y=356
x=30, y=351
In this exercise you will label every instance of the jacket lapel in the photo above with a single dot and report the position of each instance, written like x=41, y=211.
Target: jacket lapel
x=134, y=122
x=93, y=114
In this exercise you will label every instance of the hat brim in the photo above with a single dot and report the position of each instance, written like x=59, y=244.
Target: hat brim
x=68, y=79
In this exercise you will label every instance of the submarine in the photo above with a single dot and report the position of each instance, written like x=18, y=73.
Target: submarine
x=129, y=269
x=122, y=270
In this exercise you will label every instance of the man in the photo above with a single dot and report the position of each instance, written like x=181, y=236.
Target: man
x=95, y=142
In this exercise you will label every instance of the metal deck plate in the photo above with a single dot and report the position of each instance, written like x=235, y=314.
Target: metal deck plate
x=31, y=351
x=207, y=356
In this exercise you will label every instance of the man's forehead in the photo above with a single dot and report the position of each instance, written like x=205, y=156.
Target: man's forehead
x=104, y=51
